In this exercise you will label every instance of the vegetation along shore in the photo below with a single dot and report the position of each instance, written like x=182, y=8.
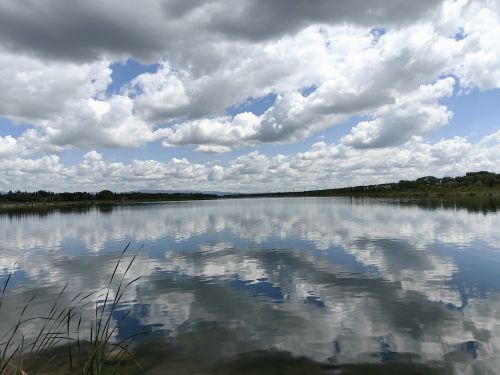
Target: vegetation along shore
x=473, y=184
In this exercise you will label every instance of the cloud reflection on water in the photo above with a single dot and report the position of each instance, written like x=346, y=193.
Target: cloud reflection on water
x=334, y=279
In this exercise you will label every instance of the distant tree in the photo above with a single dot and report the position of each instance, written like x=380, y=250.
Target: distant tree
x=105, y=195
x=428, y=180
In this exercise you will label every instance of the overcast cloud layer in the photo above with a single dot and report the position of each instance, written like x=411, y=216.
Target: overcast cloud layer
x=390, y=64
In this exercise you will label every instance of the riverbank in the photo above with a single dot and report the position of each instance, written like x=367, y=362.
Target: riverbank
x=408, y=195
x=480, y=185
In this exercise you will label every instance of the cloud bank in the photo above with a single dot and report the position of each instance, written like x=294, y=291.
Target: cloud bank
x=389, y=66
x=322, y=166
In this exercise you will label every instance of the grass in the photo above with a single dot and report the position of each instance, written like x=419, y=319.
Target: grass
x=61, y=327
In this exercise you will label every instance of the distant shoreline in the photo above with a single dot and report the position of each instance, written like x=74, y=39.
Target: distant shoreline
x=493, y=194
x=94, y=202
x=481, y=185
x=410, y=194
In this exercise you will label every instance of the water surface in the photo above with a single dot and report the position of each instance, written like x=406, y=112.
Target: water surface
x=336, y=281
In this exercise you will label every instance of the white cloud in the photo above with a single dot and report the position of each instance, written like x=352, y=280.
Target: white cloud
x=323, y=64
x=414, y=114
x=491, y=138
x=322, y=166
x=212, y=149
x=100, y=123
x=161, y=95
x=351, y=78
x=479, y=60
x=35, y=90
x=353, y=72
x=216, y=174
x=9, y=147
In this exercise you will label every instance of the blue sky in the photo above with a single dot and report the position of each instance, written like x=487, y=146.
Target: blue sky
x=333, y=97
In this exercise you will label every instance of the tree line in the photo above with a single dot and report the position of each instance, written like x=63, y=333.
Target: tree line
x=42, y=196
x=471, y=182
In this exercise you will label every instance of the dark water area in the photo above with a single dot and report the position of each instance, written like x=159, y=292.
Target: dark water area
x=267, y=286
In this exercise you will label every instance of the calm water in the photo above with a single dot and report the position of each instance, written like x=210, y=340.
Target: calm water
x=335, y=280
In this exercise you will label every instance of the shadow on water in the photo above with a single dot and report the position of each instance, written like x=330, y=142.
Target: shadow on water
x=157, y=357
x=474, y=204
x=42, y=211
x=272, y=363
x=18, y=212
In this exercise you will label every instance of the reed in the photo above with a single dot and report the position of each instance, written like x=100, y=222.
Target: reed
x=93, y=355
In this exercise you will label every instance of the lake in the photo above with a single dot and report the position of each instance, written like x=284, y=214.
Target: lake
x=332, y=285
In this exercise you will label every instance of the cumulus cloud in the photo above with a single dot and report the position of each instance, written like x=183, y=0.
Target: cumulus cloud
x=392, y=63
x=111, y=27
x=34, y=90
x=360, y=75
x=9, y=146
x=415, y=114
x=106, y=123
x=287, y=120
x=479, y=59
x=491, y=138
x=262, y=19
x=66, y=105
x=322, y=166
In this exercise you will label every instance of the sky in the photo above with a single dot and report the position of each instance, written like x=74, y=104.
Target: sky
x=245, y=95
